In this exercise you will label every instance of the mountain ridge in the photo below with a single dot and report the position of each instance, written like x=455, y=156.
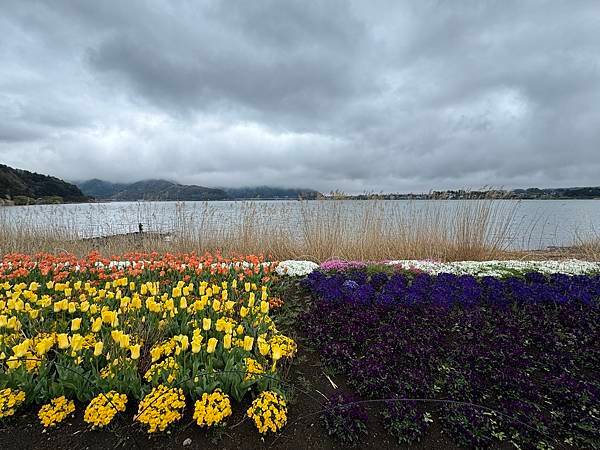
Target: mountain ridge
x=163, y=190
x=22, y=187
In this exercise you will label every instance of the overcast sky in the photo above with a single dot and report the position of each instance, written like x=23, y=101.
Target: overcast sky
x=353, y=95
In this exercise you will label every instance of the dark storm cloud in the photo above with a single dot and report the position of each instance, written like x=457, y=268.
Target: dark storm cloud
x=379, y=95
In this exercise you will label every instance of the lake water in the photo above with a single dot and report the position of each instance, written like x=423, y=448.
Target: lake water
x=535, y=224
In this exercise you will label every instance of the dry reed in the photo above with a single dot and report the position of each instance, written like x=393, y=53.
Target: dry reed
x=316, y=230
x=588, y=245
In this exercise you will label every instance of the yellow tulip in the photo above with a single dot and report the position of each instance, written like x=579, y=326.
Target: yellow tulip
x=63, y=341
x=76, y=324
x=76, y=342
x=227, y=341
x=196, y=344
x=135, y=351
x=275, y=352
x=264, y=307
x=96, y=325
x=212, y=345
x=185, y=342
x=13, y=362
x=136, y=302
x=107, y=316
x=155, y=353
x=98, y=347
x=248, y=343
x=20, y=349
x=263, y=346
x=243, y=311
x=13, y=323
x=124, y=340
x=206, y=322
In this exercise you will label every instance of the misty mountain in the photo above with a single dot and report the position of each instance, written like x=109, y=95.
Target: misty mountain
x=158, y=190
x=167, y=190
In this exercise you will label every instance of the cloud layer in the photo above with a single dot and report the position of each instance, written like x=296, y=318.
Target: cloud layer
x=379, y=95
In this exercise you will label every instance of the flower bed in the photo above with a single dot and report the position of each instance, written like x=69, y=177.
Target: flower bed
x=510, y=360
x=500, y=268
x=162, y=332
x=506, y=268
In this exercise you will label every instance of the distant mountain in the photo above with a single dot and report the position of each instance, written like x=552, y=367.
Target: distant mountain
x=268, y=192
x=158, y=190
x=167, y=190
x=100, y=189
x=23, y=187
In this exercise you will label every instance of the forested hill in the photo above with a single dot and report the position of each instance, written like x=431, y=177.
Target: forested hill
x=155, y=190
x=21, y=187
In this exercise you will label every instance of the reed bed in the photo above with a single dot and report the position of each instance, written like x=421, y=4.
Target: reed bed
x=588, y=244
x=315, y=230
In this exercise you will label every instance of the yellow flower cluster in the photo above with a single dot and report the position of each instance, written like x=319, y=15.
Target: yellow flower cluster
x=282, y=346
x=10, y=400
x=103, y=408
x=160, y=408
x=212, y=409
x=56, y=411
x=133, y=324
x=253, y=367
x=269, y=412
x=165, y=369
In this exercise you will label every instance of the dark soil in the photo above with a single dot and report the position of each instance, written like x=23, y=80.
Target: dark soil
x=307, y=386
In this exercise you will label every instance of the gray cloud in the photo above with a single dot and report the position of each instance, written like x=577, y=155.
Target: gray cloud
x=380, y=95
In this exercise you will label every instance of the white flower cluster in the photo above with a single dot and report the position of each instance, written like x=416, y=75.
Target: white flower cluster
x=296, y=268
x=500, y=268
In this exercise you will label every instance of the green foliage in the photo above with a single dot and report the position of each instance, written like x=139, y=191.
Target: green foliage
x=23, y=187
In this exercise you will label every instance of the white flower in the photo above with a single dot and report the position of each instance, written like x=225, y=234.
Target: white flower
x=296, y=268
x=501, y=268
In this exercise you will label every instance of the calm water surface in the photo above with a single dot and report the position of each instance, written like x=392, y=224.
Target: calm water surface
x=535, y=223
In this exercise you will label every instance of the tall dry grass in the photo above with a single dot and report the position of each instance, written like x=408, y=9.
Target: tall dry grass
x=316, y=230
x=588, y=244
